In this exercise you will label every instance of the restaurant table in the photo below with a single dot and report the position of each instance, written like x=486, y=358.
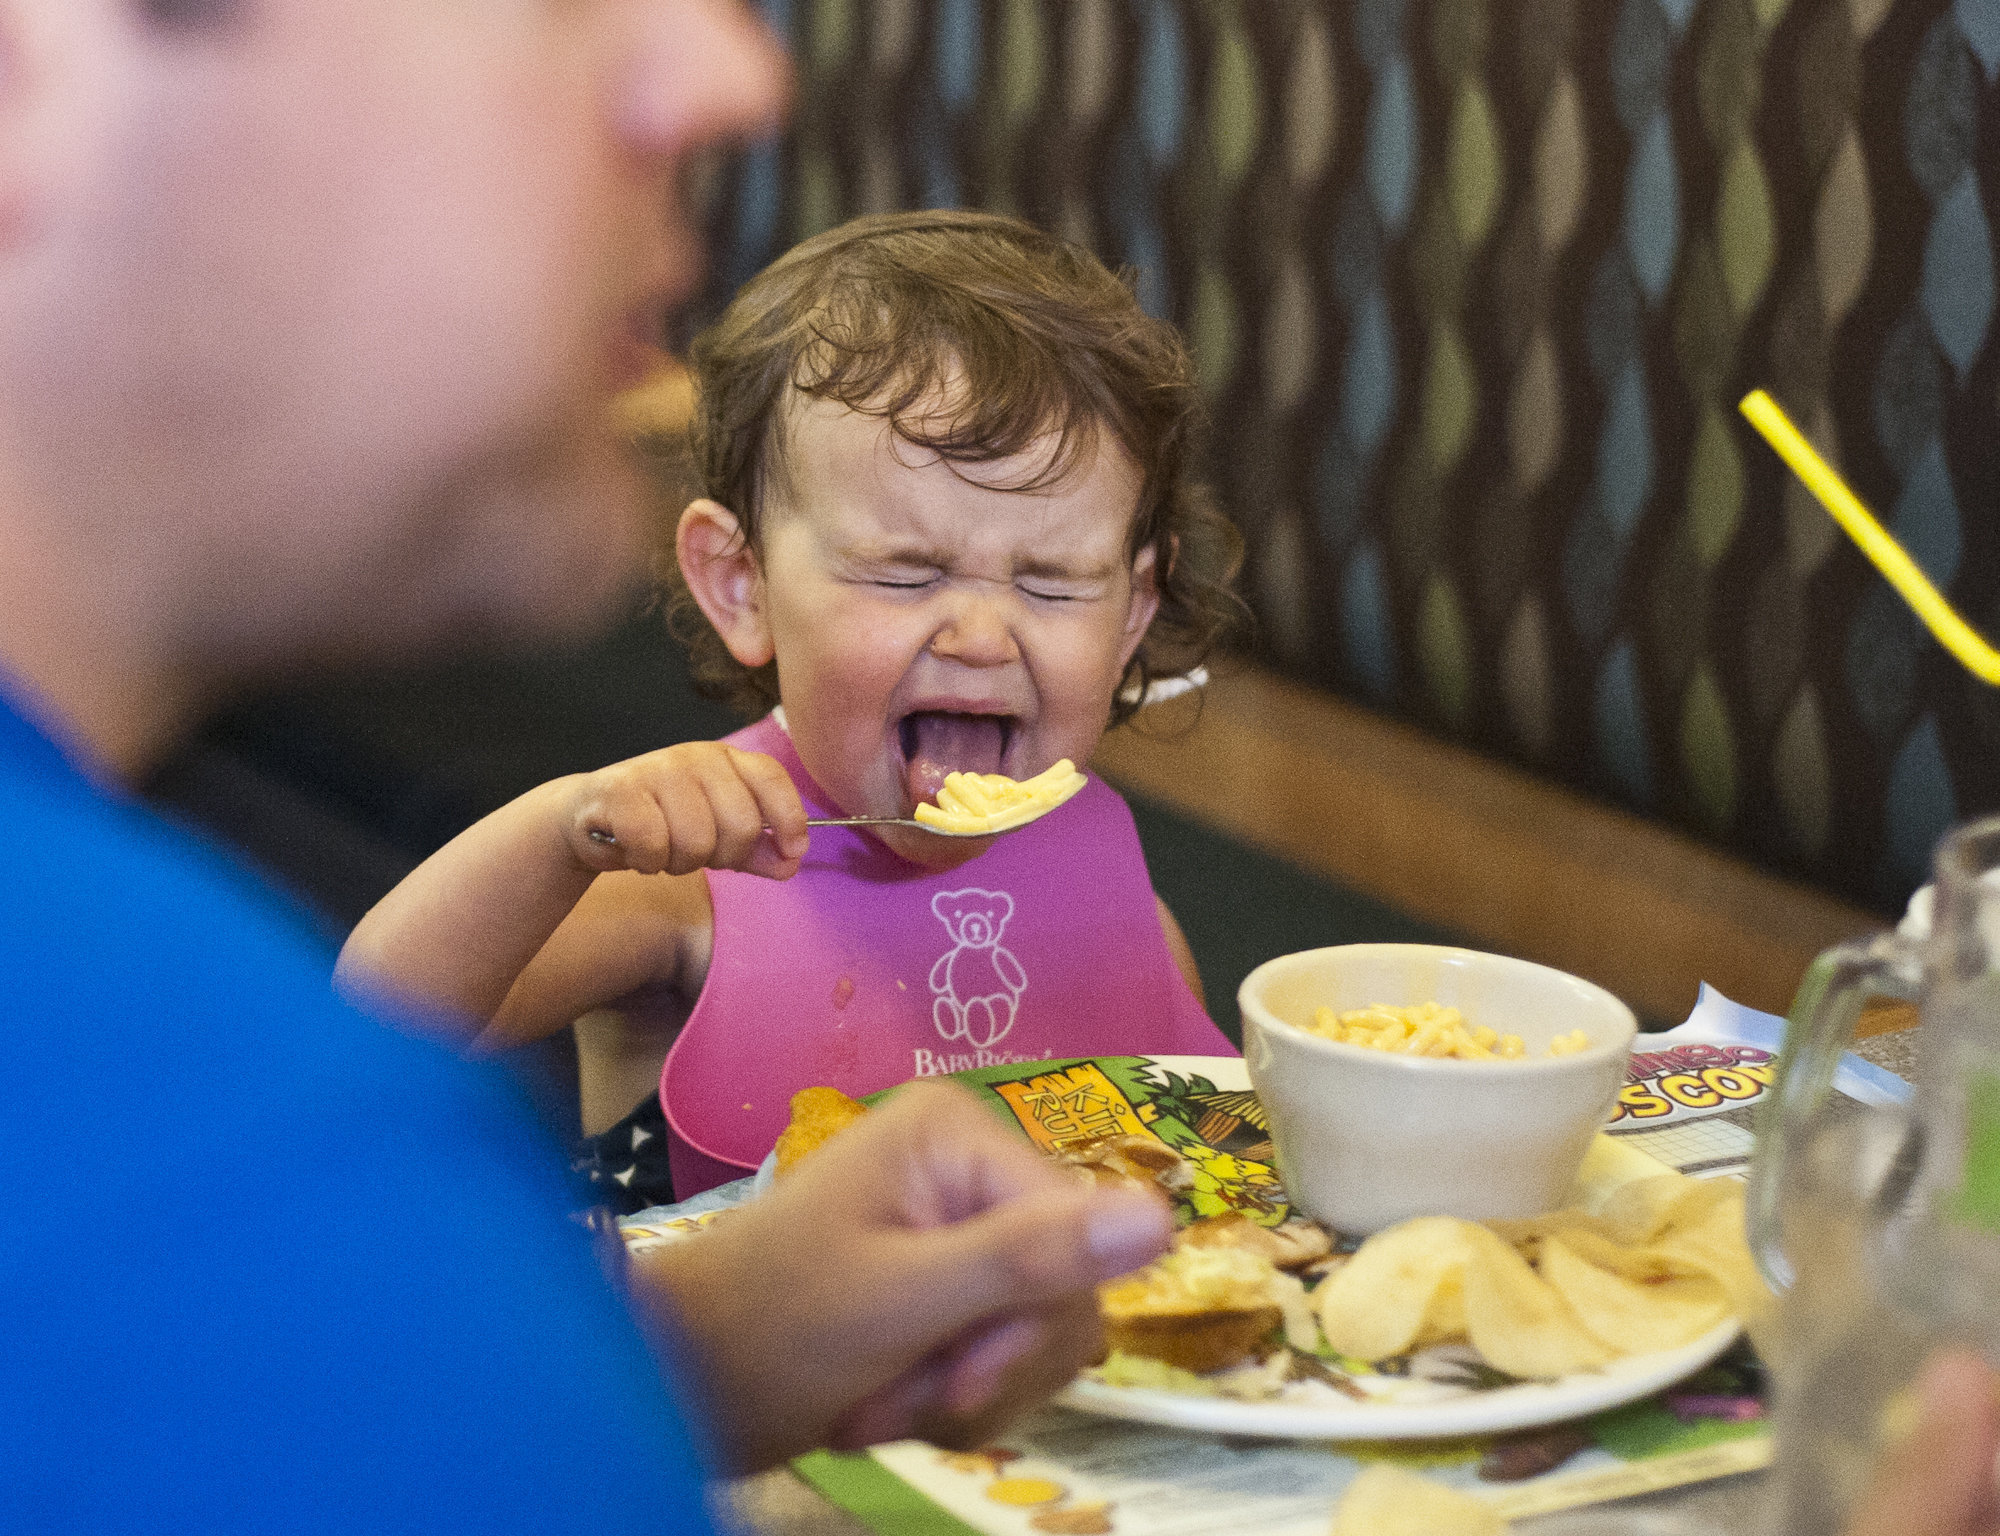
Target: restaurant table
x=777, y=1503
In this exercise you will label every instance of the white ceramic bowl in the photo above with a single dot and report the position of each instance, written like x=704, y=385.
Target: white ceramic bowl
x=1366, y=1138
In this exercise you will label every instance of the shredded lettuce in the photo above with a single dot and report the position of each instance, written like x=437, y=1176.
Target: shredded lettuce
x=1123, y=1370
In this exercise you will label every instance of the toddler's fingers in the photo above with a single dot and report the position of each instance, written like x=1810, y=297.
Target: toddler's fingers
x=767, y=862
x=739, y=824
x=778, y=804
x=691, y=822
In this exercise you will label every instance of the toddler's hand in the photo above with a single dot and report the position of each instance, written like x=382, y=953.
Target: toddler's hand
x=699, y=805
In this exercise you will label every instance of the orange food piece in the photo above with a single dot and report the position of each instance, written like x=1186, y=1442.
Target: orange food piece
x=817, y=1115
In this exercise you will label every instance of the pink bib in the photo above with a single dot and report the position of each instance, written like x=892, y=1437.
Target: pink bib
x=864, y=971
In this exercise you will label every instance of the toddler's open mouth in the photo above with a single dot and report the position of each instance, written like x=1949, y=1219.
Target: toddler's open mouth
x=938, y=742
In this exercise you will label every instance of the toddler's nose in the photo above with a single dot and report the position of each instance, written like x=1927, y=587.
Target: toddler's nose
x=976, y=635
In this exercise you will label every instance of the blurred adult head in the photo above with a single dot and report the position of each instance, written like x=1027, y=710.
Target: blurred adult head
x=309, y=313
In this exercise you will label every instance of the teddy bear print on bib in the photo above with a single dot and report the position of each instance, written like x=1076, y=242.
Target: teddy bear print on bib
x=977, y=983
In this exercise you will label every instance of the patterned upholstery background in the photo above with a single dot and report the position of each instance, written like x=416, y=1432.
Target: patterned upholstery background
x=1473, y=286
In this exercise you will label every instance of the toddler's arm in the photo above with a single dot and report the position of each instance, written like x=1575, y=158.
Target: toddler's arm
x=460, y=930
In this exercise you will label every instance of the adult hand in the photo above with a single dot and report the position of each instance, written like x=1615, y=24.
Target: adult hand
x=1939, y=1479
x=698, y=805
x=925, y=1273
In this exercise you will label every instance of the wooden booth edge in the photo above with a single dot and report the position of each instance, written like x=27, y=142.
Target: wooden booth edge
x=1511, y=862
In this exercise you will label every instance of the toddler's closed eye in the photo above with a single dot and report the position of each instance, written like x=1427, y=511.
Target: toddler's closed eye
x=1057, y=592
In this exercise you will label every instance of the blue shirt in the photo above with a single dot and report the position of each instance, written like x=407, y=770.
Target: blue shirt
x=265, y=1264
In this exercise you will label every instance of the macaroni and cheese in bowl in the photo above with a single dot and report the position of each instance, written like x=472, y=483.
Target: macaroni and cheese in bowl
x=1393, y=1089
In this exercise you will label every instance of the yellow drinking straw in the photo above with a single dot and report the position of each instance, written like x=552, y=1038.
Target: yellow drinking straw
x=1911, y=584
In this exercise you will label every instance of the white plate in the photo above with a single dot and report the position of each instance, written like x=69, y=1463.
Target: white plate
x=1404, y=1408
x=1407, y=1409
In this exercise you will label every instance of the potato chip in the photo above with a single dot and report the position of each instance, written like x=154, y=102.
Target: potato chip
x=1642, y=1265
x=1515, y=1319
x=1525, y=1233
x=1715, y=1243
x=1630, y=1315
x=1641, y=1210
x=1388, y=1500
x=1666, y=1262
x=1611, y=1163
x=1444, y=1318
x=1376, y=1304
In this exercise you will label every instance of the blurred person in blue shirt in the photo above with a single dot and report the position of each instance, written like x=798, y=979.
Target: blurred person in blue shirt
x=309, y=314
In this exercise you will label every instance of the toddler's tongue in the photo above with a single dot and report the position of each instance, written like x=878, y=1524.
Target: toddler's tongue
x=938, y=744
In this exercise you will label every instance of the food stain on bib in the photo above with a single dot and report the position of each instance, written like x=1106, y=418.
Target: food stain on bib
x=840, y=1052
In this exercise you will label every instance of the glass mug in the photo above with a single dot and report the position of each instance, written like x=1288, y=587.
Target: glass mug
x=1881, y=1226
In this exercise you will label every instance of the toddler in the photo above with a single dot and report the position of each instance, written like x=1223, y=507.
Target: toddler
x=949, y=525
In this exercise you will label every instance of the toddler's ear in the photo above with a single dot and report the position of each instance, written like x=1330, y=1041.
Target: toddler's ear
x=722, y=572
x=1145, y=600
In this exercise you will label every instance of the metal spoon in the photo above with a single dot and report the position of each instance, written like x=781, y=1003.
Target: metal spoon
x=896, y=821
x=606, y=839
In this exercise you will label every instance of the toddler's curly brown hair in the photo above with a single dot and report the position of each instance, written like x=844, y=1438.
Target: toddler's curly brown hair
x=975, y=336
